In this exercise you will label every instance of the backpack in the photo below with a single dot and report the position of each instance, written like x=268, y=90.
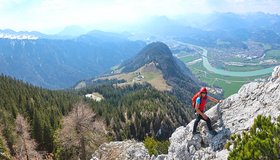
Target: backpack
x=194, y=99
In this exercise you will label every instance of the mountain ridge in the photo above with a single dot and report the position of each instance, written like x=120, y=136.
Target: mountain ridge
x=174, y=72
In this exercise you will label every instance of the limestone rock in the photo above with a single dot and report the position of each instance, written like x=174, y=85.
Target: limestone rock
x=161, y=157
x=276, y=73
x=121, y=150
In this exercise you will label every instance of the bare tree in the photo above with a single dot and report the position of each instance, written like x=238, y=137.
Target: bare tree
x=25, y=147
x=81, y=130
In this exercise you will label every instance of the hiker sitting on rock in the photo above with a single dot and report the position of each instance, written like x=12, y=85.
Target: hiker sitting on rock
x=199, y=102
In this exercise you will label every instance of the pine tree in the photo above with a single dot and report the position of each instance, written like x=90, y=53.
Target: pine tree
x=261, y=142
x=37, y=128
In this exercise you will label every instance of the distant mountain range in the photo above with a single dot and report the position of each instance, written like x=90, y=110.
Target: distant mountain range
x=206, y=30
x=60, y=63
x=11, y=34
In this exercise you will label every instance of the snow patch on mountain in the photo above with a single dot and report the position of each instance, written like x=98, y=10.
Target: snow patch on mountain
x=17, y=36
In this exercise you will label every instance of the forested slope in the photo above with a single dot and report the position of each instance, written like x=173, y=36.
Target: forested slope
x=43, y=109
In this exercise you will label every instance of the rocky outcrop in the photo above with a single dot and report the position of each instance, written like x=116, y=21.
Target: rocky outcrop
x=234, y=115
x=121, y=150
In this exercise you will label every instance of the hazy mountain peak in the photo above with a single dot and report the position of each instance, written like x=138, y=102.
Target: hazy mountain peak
x=154, y=52
x=160, y=48
x=72, y=31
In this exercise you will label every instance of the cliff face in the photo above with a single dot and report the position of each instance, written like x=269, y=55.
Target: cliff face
x=234, y=115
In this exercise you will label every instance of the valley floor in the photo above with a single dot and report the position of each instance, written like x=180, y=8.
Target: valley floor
x=229, y=84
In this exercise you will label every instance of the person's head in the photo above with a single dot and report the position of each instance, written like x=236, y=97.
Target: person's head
x=203, y=91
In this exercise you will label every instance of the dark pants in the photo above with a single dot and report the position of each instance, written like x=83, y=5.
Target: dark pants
x=208, y=122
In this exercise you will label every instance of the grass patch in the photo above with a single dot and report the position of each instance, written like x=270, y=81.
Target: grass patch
x=220, y=42
x=148, y=76
x=272, y=54
x=243, y=68
x=182, y=52
x=152, y=75
x=267, y=46
x=189, y=58
x=156, y=80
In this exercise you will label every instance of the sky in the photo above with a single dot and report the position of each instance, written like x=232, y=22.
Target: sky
x=50, y=16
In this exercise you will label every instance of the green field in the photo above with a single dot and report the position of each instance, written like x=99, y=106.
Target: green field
x=114, y=67
x=243, y=68
x=220, y=42
x=230, y=85
x=150, y=76
x=272, y=54
x=267, y=46
x=189, y=58
x=183, y=52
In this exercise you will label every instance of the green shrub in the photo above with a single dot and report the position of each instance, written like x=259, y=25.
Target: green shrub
x=262, y=141
x=4, y=154
x=156, y=147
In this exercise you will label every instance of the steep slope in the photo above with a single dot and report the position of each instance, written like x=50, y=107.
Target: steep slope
x=156, y=65
x=233, y=116
x=60, y=63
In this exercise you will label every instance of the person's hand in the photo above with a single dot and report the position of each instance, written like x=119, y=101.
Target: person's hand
x=220, y=101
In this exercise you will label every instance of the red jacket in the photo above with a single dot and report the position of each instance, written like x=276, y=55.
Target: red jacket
x=201, y=102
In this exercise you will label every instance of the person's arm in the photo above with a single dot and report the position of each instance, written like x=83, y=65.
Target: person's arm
x=199, y=111
x=214, y=99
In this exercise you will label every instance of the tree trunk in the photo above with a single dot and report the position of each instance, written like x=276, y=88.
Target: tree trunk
x=83, y=148
x=25, y=148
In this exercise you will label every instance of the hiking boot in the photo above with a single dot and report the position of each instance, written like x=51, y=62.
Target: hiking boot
x=213, y=133
x=196, y=132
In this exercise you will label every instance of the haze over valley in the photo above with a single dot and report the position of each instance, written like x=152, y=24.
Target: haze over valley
x=234, y=42
x=119, y=79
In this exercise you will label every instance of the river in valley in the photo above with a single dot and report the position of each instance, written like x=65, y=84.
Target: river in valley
x=210, y=68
